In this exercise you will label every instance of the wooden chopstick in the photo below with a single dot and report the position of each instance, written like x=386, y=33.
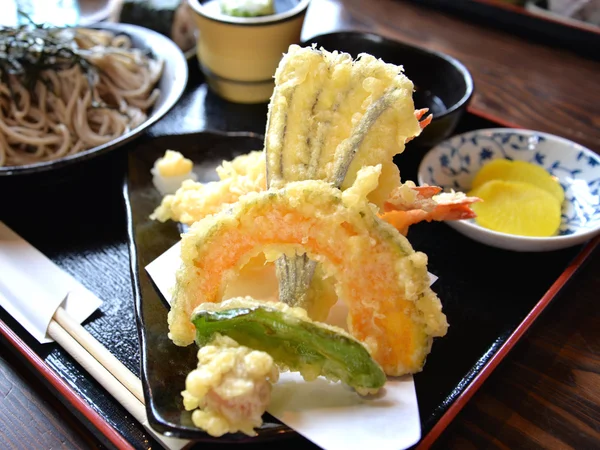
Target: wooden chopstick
x=97, y=370
x=107, y=379
x=100, y=353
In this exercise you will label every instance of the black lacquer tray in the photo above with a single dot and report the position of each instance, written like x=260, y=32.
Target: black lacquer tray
x=491, y=296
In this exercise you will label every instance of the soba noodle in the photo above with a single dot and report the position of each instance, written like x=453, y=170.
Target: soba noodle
x=69, y=110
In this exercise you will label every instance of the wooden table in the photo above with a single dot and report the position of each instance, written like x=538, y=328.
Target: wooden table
x=546, y=394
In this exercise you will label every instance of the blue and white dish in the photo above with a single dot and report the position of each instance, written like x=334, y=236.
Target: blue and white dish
x=454, y=163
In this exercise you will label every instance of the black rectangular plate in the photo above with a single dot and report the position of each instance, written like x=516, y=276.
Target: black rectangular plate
x=486, y=292
x=165, y=365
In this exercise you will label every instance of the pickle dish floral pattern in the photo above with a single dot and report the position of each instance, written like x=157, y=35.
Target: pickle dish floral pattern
x=453, y=163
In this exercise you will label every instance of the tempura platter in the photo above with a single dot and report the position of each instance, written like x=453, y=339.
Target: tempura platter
x=483, y=320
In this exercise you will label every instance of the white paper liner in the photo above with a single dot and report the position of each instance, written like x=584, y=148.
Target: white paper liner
x=32, y=287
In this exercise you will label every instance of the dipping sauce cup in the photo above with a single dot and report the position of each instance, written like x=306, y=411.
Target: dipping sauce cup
x=239, y=55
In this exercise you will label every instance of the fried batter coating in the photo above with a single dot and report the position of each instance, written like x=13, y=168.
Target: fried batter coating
x=194, y=200
x=406, y=205
x=230, y=389
x=331, y=114
x=383, y=281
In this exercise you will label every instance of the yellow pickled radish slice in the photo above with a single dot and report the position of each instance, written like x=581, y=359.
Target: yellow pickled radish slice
x=503, y=169
x=516, y=208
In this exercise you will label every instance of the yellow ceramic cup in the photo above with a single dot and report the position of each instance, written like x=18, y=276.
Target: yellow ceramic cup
x=239, y=55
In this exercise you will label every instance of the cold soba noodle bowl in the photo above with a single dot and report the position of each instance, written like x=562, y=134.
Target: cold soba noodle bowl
x=63, y=91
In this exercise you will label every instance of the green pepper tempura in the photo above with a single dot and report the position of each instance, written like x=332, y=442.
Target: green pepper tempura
x=295, y=342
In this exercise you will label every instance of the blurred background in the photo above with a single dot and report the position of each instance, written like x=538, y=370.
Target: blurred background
x=85, y=12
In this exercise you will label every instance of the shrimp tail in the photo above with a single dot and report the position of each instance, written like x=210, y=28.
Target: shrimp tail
x=419, y=113
x=408, y=205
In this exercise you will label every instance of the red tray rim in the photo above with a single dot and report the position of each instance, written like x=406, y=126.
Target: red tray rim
x=62, y=388
x=508, y=345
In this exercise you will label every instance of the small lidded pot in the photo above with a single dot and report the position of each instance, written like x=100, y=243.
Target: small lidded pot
x=239, y=55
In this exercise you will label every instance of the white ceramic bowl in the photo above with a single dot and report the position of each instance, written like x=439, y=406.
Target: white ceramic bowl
x=453, y=164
